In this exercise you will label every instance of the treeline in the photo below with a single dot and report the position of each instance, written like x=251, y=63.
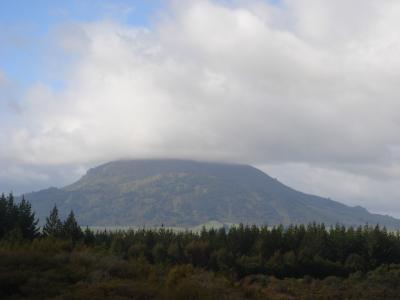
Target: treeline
x=63, y=255
x=292, y=251
x=18, y=221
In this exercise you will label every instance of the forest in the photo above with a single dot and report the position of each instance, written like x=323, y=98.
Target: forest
x=61, y=260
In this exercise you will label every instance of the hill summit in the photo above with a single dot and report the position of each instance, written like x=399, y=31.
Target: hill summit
x=190, y=193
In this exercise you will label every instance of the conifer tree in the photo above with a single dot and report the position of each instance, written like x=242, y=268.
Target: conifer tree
x=17, y=220
x=27, y=221
x=53, y=226
x=89, y=237
x=12, y=212
x=71, y=229
x=3, y=215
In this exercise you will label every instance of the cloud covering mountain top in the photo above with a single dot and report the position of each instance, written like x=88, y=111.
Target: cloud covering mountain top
x=306, y=89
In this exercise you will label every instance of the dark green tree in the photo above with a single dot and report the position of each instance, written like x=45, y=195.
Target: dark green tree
x=11, y=213
x=17, y=220
x=3, y=215
x=88, y=236
x=71, y=229
x=27, y=221
x=53, y=226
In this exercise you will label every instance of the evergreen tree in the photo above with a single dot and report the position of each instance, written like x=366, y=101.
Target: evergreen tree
x=53, y=226
x=88, y=236
x=17, y=219
x=11, y=213
x=27, y=221
x=71, y=229
x=3, y=215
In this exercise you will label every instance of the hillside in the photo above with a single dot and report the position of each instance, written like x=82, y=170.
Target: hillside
x=189, y=193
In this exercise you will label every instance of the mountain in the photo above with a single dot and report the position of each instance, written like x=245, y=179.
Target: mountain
x=189, y=193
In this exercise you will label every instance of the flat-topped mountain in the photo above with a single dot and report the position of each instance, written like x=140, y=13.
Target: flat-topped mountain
x=189, y=193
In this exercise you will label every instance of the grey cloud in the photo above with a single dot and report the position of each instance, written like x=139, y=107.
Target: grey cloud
x=282, y=86
x=378, y=194
x=25, y=178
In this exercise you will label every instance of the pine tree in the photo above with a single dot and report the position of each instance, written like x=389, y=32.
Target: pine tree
x=8, y=215
x=27, y=221
x=11, y=213
x=89, y=237
x=53, y=226
x=3, y=215
x=71, y=229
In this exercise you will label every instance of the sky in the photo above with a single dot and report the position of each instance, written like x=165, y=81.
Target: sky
x=306, y=90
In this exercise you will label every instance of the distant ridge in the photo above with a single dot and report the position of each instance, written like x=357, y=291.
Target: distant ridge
x=189, y=193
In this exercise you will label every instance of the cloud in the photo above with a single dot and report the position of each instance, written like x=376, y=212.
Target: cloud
x=303, y=83
x=8, y=103
x=376, y=193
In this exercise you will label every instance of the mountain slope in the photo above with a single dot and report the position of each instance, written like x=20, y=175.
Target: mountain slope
x=189, y=193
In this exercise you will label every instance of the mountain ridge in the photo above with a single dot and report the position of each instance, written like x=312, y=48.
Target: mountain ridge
x=188, y=193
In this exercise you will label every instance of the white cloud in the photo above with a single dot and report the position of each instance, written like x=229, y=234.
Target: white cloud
x=302, y=83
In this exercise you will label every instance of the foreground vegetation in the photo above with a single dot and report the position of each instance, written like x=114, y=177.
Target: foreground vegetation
x=246, y=262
